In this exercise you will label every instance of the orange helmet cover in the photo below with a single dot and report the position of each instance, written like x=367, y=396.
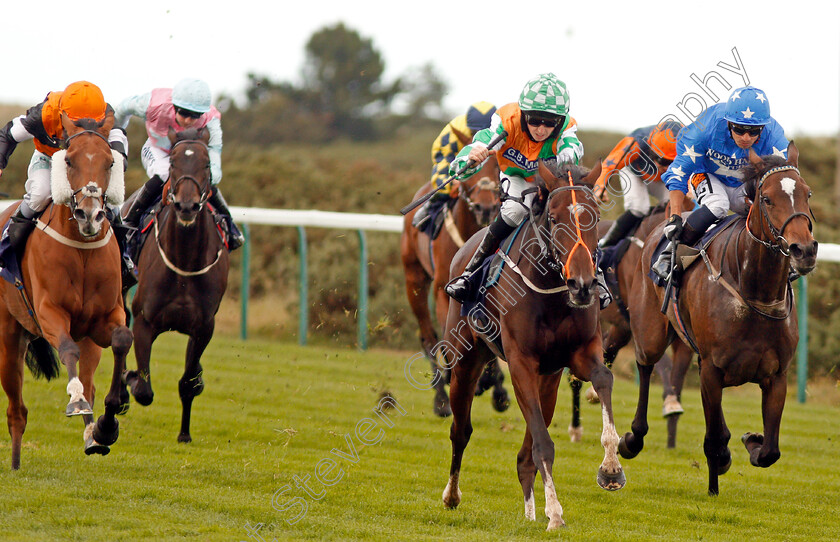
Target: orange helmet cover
x=83, y=100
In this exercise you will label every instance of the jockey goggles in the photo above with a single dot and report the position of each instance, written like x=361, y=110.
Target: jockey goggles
x=187, y=113
x=548, y=122
x=752, y=131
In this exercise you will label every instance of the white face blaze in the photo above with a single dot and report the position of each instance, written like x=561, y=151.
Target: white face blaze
x=189, y=152
x=788, y=185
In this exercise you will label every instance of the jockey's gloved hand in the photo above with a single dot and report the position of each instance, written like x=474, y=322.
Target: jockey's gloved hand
x=674, y=227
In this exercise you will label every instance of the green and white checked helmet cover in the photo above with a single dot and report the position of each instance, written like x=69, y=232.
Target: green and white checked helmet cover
x=545, y=93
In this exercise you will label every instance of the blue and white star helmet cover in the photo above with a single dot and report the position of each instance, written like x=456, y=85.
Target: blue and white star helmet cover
x=748, y=106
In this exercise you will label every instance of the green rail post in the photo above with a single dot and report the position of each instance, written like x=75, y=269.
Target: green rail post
x=303, y=290
x=363, y=292
x=246, y=281
x=802, y=350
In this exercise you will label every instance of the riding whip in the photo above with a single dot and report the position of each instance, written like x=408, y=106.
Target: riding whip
x=420, y=201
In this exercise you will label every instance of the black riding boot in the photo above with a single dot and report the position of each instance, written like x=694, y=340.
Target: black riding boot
x=146, y=196
x=425, y=212
x=622, y=226
x=235, y=237
x=19, y=230
x=121, y=232
x=459, y=288
x=693, y=229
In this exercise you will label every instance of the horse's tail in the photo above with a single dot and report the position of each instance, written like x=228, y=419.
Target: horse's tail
x=41, y=358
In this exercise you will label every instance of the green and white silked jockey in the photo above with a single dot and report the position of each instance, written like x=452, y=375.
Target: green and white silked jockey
x=538, y=127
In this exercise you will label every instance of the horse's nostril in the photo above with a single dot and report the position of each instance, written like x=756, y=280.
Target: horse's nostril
x=795, y=250
x=99, y=216
x=79, y=215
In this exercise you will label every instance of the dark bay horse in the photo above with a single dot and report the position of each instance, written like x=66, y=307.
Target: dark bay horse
x=426, y=262
x=615, y=323
x=735, y=305
x=542, y=316
x=182, y=273
x=70, y=296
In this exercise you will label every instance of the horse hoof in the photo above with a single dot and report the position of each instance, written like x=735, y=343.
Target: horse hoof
x=624, y=448
x=501, y=401
x=104, y=434
x=752, y=438
x=184, y=438
x=451, y=499
x=611, y=482
x=555, y=523
x=592, y=396
x=671, y=407
x=78, y=408
x=724, y=468
x=93, y=447
x=442, y=409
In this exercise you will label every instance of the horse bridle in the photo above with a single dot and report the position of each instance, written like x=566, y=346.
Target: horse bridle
x=89, y=190
x=482, y=185
x=553, y=258
x=203, y=190
x=780, y=244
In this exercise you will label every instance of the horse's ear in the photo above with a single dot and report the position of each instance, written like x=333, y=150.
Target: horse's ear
x=204, y=135
x=593, y=174
x=172, y=135
x=107, y=123
x=756, y=160
x=793, y=155
x=70, y=127
x=546, y=174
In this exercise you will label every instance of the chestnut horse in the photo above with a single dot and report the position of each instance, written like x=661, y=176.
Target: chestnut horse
x=736, y=307
x=542, y=316
x=70, y=295
x=182, y=273
x=426, y=262
x=616, y=326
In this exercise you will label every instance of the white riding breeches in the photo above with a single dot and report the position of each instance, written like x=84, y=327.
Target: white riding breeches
x=38, y=185
x=720, y=198
x=155, y=160
x=637, y=191
x=514, y=212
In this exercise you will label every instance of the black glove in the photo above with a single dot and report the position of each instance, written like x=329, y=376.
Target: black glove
x=674, y=228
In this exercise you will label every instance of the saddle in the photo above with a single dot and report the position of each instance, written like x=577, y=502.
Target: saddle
x=687, y=255
x=437, y=216
x=135, y=241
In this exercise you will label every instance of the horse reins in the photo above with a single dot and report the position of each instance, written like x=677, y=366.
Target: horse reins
x=784, y=305
x=171, y=198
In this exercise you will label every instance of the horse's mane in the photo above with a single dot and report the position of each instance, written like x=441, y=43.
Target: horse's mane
x=561, y=171
x=188, y=134
x=752, y=175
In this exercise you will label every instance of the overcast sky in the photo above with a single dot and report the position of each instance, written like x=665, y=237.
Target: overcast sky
x=626, y=64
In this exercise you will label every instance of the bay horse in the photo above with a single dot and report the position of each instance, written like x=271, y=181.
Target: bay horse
x=542, y=316
x=426, y=262
x=182, y=273
x=70, y=294
x=736, y=307
x=615, y=322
